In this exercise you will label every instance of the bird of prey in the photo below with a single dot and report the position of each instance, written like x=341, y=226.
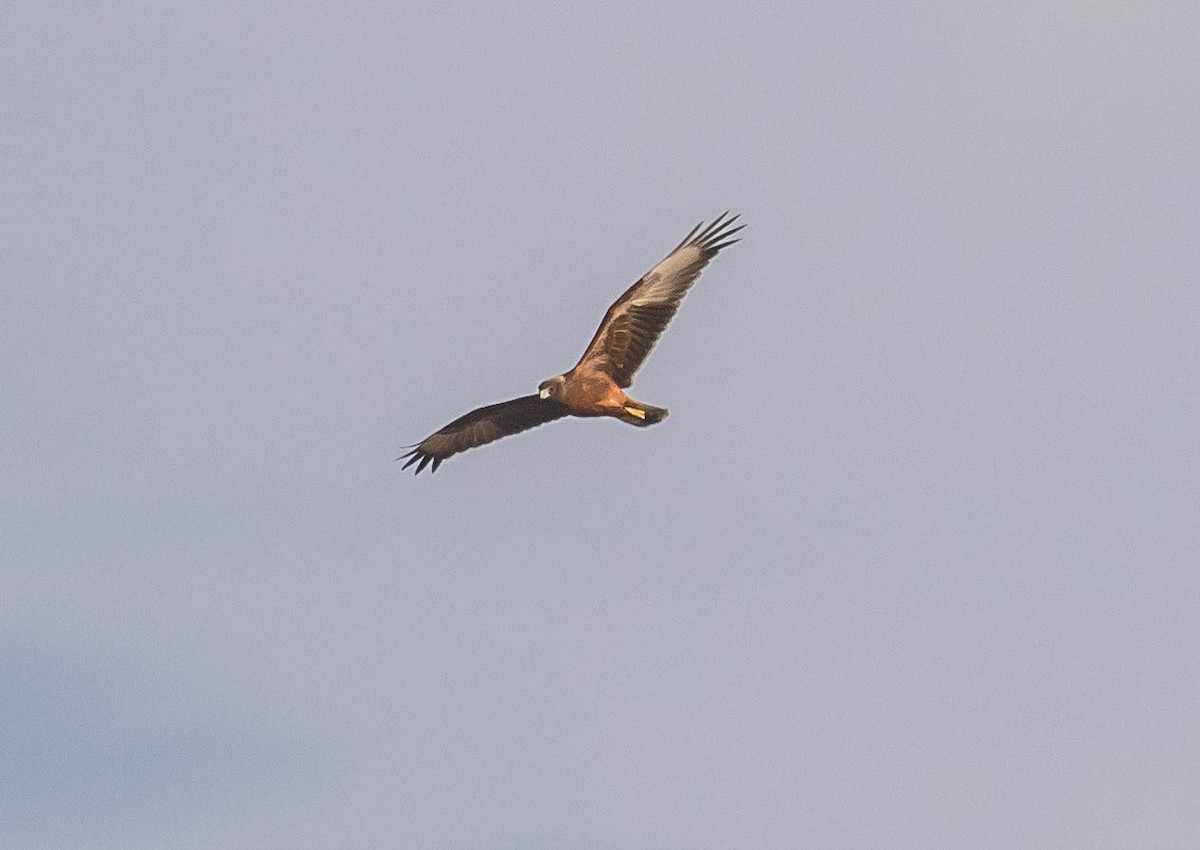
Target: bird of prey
x=594, y=387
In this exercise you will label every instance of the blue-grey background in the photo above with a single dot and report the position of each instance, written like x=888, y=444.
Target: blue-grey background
x=912, y=564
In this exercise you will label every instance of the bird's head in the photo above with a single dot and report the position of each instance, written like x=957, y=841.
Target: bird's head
x=551, y=387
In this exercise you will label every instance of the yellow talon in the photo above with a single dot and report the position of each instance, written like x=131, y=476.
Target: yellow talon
x=633, y=411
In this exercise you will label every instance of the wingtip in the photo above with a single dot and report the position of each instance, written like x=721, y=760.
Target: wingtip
x=688, y=239
x=716, y=236
x=705, y=233
x=421, y=459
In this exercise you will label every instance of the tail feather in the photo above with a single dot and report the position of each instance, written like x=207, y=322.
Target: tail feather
x=641, y=414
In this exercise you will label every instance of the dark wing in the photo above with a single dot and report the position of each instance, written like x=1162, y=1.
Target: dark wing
x=483, y=426
x=636, y=320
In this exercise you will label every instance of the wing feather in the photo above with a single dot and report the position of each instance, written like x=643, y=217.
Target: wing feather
x=637, y=319
x=483, y=426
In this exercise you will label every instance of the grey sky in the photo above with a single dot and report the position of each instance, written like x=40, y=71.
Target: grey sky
x=912, y=564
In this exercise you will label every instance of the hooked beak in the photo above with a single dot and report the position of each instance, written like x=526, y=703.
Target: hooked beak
x=544, y=393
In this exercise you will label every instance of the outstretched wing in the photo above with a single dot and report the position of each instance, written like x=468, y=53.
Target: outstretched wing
x=636, y=320
x=483, y=426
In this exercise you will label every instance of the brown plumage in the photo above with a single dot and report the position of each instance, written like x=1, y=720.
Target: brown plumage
x=594, y=386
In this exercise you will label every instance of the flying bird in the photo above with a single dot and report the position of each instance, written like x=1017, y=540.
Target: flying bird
x=594, y=387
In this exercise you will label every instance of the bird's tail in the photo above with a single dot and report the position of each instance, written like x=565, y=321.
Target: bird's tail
x=641, y=414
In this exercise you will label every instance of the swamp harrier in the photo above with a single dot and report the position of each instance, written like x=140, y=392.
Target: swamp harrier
x=594, y=387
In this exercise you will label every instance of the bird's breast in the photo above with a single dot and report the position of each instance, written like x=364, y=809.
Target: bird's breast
x=592, y=394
